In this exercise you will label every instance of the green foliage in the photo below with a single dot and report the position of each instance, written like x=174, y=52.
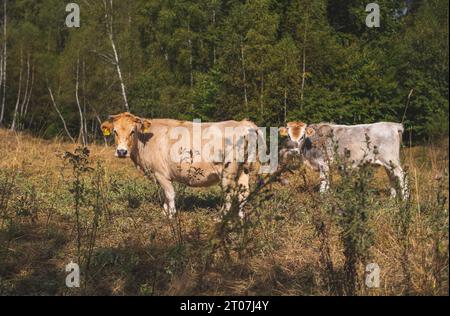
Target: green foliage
x=352, y=195
x=349, y=206
x=205, y=95
x=264, y=60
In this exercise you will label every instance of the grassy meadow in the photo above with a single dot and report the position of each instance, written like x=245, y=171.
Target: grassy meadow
x=100, y=212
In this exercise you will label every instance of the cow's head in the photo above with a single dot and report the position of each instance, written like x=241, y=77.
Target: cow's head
x=297, y=132
x=125, y=127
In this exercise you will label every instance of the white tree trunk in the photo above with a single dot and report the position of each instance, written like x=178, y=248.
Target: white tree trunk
x=302, y=89
x=25, y=96
x=99, y=122
x=261, y=95
x=84, y=103
x=77, y=85
x=285, y=104
x=2, y=111
x=214, y=44
x=305, y=36
x=16, y=109
x=31, y=91
x=244, y=76
x=1, y=67
x=60, y=115
x=105, y=140
x=110, y=31
x=191, y=58
x=119, y=73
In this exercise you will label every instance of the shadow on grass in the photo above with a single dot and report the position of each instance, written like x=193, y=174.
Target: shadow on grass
x=29, y=261
x=33, y=264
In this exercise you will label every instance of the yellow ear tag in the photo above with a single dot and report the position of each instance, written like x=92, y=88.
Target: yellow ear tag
x=145, y=130
x=106, y=131
x=283, y=132
x=309, y=132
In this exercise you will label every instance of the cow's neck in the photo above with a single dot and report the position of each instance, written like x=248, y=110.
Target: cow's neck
x=136, y=157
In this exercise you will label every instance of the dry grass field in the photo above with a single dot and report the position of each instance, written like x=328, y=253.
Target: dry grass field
x=107, y=217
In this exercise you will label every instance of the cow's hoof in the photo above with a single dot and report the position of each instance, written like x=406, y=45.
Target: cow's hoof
x=171, y=216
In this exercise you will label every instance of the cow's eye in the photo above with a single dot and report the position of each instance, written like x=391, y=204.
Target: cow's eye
x=115, y=132
x=132, y=132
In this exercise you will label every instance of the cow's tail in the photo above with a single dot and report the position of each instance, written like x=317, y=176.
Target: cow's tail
x=400, y=131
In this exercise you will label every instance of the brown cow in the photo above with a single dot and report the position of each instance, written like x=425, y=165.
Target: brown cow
x=155, y=146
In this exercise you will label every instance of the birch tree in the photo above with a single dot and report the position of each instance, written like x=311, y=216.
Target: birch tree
x=4, y=63
x=109, y=11
x=27, y=93
x=1, y=67
x=305, y=38
x=19, y=93
x=244, y=73
x=82, y=132
x=268, y=61
x=27, y=102
x=52, y=98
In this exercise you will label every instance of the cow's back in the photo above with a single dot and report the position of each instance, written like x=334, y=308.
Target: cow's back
x=157, y=152
x=377, y=141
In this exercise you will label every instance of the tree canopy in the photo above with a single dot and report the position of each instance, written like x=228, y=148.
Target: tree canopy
x=265, y=60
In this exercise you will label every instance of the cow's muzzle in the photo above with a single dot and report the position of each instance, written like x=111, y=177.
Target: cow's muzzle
x=300, y=144
x=122, y=153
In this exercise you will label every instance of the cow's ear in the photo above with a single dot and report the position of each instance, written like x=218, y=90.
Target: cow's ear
x=107, y=127
x=143, y=125
x=283, y=131
x=310, y=131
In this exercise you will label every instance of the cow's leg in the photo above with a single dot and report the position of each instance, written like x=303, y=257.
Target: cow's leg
x=235, y=186
x=402, y=181
x=324, y=177
x=392, y=180
x=397, y=179
x=228, y=189
x=405, y=188
x=243, y=191
x=169, y=194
